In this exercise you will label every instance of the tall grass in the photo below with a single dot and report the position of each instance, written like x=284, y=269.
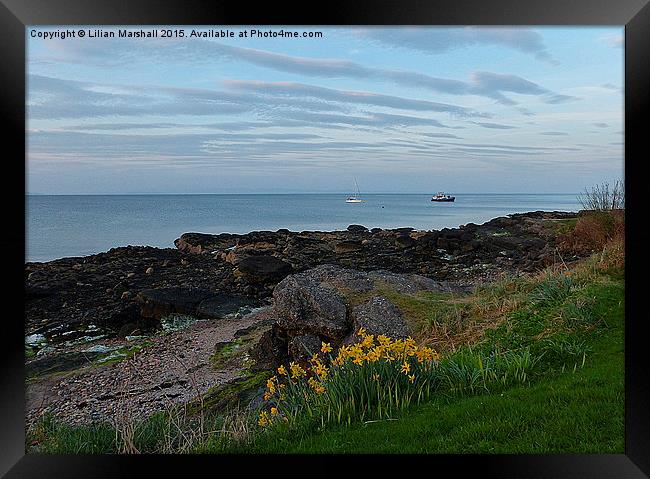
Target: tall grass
x=553, y=290
x=373, y=381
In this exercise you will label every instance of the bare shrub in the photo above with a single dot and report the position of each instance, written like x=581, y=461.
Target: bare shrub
x=604, y=197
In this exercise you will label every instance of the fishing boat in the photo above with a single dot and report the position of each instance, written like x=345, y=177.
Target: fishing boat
x=441, y=197
x=354, y=198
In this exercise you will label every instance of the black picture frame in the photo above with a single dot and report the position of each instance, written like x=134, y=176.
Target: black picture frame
x=15, y=15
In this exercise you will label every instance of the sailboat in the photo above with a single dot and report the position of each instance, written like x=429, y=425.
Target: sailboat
x=354, y=198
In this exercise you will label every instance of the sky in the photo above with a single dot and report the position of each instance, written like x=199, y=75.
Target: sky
x=402, y=110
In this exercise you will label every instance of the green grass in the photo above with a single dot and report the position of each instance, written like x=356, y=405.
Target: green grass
x=51, y=437
x=579, y=412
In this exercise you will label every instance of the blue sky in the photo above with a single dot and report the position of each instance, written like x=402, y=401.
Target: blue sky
x=404, y=110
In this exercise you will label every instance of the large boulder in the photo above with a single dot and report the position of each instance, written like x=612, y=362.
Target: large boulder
x=304, y=306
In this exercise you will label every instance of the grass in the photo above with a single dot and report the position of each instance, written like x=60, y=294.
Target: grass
x=578, y=412
x=553, y=343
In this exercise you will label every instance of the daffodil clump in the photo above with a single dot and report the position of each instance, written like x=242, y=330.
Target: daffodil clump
x=368, y=379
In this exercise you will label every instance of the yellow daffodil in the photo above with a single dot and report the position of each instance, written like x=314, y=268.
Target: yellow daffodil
x=383, y=340
x=270, y=385
x=296, y=370
x=368, y=341
x=282, y=370
x=316, y=386
x=264, y=419
x=326, y=347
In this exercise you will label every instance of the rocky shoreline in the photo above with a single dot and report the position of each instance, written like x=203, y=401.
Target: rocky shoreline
x=91, y=320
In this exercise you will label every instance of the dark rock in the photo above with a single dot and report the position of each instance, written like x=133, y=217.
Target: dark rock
x=156, y=303
x=348, y=246
x=303, y=347
x=220, y=305
x=34, y=292
x=61, y=362
x=263, y=268
x=124, y=313
x=200, y=242
x=405, y=241
x=127, y=330
x=357, y=229
x=271, y=350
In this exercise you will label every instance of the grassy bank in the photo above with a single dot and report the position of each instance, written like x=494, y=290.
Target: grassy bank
x=559, y=388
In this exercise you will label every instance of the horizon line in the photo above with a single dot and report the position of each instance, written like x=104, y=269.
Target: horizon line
x=284, y=194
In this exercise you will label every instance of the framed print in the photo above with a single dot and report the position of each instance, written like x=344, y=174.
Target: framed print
x=375, y=231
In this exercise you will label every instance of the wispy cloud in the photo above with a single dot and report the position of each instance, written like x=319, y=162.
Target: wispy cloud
x=496, y=126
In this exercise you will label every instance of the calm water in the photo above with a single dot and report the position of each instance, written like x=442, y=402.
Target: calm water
x=61, y=226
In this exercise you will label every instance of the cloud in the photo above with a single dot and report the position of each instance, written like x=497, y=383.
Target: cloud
x=554, y=133
x=496, y=126
x=439, y=40
x=493, y=85
x=440, y=135
x=371, y=119
x=601, y=125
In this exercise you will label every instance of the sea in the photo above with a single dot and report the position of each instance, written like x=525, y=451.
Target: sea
x=71, y=226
